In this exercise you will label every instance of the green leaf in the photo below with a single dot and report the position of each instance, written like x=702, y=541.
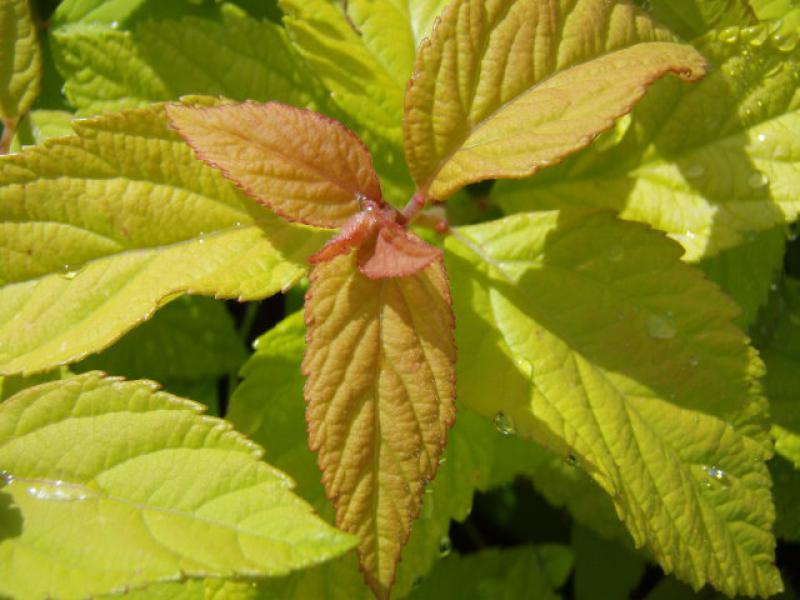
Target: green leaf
x=20, y=59
x=160, y=491
x=16, y=383
x=269, y=406
x=781, y=354
x=366, y=69
x=188, y=340
x=747, y=272
x=693, y=18
x=525, y=572
x=472, y=113
x=40, y=125
x=709, y=163
x=786, y=489
x=102, y=228
x=553, y=305
x=195, y=589
x=116, y=13
x=242, y=58
x=603, y=569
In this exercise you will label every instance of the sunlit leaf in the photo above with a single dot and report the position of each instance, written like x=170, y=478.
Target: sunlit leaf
x=20, y=59
x=553, y=307
x=304, y=166
x=380, y=394
x=507, y=87
x=161, y=491
x=710, y=164
x=100, y=229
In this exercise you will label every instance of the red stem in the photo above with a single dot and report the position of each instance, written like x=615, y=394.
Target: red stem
x=413, y=208
x=9, y=125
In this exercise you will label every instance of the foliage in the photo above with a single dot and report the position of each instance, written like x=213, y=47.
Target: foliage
x=583, y=324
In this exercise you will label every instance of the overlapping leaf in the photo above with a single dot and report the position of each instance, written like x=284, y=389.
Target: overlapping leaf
x=100, y=229
x=710, y=163
x=781, y=353
x=161, y=491
x=242, y=58
x=380, y=394
x=268, y=405
x=365, y=58
x=506, y=88
x=693, y=18
x=302, y=165
x=20, y=59
x=592, y=336
x=530, y=572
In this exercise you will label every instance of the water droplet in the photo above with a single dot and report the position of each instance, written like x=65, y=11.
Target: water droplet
x=761, y=138
x=445, y=546
x=6, y=478
x=729, y=35
x=442, y=459
x=660, y=327
x=784, y=42
x=504, y=424
x=201, y=237
x=715, y=475
x=689, y=234
x=238, y=224
x=757, y=180
x=525, y=367
x=616, y=253
x=694, y=171
x=69, y=273
x=58, y=491
x=114, y=24
x=571, y=460
x=693, y=361
x=755, y=36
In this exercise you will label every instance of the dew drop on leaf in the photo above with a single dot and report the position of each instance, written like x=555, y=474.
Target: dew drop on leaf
x=58, y=491
x=757, y=180
x=5, y=478
x=693, y=361
x=525, y=367
x=755, y=36
x=715, y=476
x=69, y=273
x=660, y=327
x=504, y=424
x=571, y=460
x=445, y=546
x=729, y=35
x=784, y=42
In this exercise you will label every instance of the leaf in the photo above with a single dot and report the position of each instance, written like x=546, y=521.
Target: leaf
x=552, y=306
x=603, y=569
x=710, y=163
x=473, y=114
x=781, y=353
x=195, y=589
x=747, y=272
x=40, y=125
x=243, y=58
x=365, y=57
x=190, y=338
x=20, y=59
x=380, y=395
x=102, y=228
x=160, y=491
x=529, y=572
x=693, y=18
x=786, y=478
x=304, y=166
x=268, y=405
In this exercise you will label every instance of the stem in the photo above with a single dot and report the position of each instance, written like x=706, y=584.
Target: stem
x=9, y=126
x=413, y=208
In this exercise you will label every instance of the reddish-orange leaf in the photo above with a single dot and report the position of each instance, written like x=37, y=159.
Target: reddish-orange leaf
x=304, y=166
x=380, y=397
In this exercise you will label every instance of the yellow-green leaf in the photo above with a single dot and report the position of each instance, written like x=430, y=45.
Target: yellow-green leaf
x=380, y=394
x=710, y=164
x=593, y=338
x=20, y=59
x=304, y=166
x=161, y=491
x=507, y=87
x=99, y=229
